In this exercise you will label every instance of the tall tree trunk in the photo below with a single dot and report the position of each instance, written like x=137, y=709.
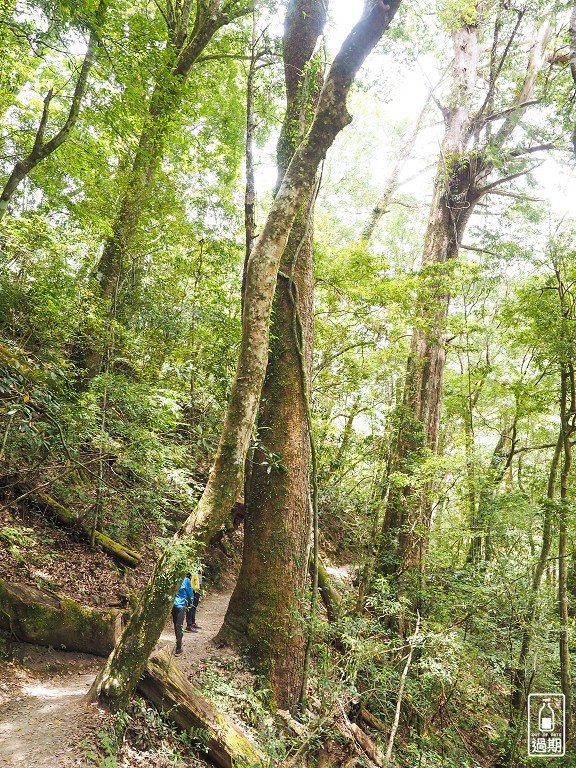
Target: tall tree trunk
x=265, y=613
x=408, y=513
x=461, y=181
x=126, y=663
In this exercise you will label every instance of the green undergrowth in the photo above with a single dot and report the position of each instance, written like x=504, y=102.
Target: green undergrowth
x=140, y=733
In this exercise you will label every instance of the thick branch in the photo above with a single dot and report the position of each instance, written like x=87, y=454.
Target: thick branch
x=42, y=149
x=490, y=187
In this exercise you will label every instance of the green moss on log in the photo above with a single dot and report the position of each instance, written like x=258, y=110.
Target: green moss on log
x=45, y=618
x=66, y=518
x=168, y=689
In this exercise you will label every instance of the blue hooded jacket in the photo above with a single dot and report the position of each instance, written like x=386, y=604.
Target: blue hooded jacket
x=185, y=592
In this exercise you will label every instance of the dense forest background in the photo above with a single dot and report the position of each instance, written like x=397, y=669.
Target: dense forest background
x=415, y=429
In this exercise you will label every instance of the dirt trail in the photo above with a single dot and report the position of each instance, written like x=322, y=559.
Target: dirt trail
x=43, y=714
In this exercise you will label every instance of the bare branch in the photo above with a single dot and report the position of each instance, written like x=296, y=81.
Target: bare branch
x=478, y=250
x=521, y=151
x=515, y=108
x=489, y=187
x=503, y=58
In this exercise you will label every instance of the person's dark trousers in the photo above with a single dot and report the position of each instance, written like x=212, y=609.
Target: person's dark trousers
x=178, y=619
x=191, y=610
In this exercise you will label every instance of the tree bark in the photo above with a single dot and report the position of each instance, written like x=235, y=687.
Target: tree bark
x=126, y=663
x=461, y=181
x=330, y=595
x=407, y=518
x=265, y=613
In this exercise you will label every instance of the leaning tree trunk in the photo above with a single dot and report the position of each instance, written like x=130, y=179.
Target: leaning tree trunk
x=480, y=516
x=265, y=614
x=42, y=148
x=125, y=665
x=519, y=687
x=167, y=687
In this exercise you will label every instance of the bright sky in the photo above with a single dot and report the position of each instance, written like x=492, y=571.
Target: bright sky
x=374, y=122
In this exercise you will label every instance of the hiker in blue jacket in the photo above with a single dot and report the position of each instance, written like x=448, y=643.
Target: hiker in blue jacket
x=185, y=593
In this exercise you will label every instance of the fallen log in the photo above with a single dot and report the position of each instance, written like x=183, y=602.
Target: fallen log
x=32, y=615
x=372, y=720
x=367, y=745
x=165, y=685
x=68, y=519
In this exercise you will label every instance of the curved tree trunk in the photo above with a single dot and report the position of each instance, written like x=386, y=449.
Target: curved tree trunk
x=120, y=675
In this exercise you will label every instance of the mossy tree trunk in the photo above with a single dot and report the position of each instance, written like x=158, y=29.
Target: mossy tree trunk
x=125, y=665
x=167, y=687
x=264, y=617
x=45, y=618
